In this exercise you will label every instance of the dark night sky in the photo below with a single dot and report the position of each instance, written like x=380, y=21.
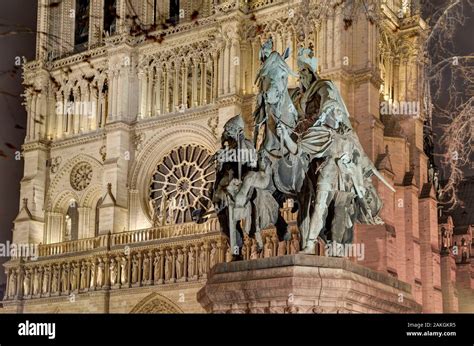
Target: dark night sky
x=17, y=13
x=23, y=13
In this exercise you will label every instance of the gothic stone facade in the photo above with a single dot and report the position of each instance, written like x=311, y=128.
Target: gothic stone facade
x=124, y=114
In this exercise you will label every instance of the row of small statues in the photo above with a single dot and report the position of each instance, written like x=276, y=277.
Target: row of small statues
x=271, y=246
x=146, y=268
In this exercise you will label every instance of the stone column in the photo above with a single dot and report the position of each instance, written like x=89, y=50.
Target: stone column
x=173, y=271
x=142, y=87
x=75, y=121
x=149, y=96
x=175, y=87
x=84, y=223
x=184, y=86
x=194, y=96
x=106, y=272
x=140, y=263
x=94, y=107
x=221, y=72
x=166, y=92
x=226, y=69
x=254, y=65
x=185, y=264
x=32, y=131
x=203, y=83
x=162, y=264
x=157, y=102
x=235, y=66
x=150, y=267
x=215, y=76
x=59, y=109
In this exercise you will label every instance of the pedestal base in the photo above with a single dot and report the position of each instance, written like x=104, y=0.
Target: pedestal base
x=303, y=284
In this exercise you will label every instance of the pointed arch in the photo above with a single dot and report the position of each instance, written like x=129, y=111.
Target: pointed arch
x=156, y=303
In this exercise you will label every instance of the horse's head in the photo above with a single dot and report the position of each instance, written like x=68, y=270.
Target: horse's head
x=273, y=77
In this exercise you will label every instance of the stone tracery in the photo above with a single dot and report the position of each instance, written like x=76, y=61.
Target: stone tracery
x=181, y=184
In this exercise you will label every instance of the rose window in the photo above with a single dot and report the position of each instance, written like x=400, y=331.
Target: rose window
x=181, y=184
x=81, y=176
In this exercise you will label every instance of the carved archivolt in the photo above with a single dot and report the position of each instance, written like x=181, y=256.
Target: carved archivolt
x=75, y=179
x=156, y=304
x=158, y=146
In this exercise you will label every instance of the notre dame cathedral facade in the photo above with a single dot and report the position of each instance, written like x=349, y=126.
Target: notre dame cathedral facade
x=126, y=101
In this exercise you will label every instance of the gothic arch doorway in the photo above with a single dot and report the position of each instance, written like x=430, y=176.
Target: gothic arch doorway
x=156, y=304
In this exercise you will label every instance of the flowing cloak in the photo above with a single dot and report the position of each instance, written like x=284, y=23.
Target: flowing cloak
x=317, y=143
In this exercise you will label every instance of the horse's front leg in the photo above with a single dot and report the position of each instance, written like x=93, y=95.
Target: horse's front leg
x=236, y=255
x=258, y=238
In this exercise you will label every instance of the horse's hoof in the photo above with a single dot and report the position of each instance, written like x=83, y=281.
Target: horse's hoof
x=308, y=250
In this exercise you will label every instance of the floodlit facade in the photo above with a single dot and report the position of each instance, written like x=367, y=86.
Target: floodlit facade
x=126, y=101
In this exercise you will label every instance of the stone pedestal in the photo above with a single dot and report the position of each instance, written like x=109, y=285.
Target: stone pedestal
x=303, y=284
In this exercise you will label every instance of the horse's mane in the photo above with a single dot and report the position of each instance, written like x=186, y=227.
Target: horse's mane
x=274, y=60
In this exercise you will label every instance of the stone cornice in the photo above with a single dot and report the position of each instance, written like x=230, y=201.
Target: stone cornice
x=78, y=140
x=118, y=125
x=36, y=145
x=229, y=100
x=176, y=117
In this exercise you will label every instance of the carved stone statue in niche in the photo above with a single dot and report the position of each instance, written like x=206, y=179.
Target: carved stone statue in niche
x=73, y=277
x=46, y=275
x=168, y=265
x=157, y=268
x=146, y=269
x=92, y=282
x=135, y=263
x=12, y=284
x=113, y=272
x=123, y=271
x=55, y=280
x=268, y=248
x=36, y=282
x=64, y=278
x=254, y=250
x=100, y=273
x=179, y=264
x=202, y=261
x=213, y=255
x=83, y=280
x=294, y=244
x=191, y=263
x=27, y=283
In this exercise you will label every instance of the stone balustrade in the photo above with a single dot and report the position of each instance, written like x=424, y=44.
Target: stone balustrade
x=155, y=256
x=79, y=245
x=165, y=262
x=127, y=238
